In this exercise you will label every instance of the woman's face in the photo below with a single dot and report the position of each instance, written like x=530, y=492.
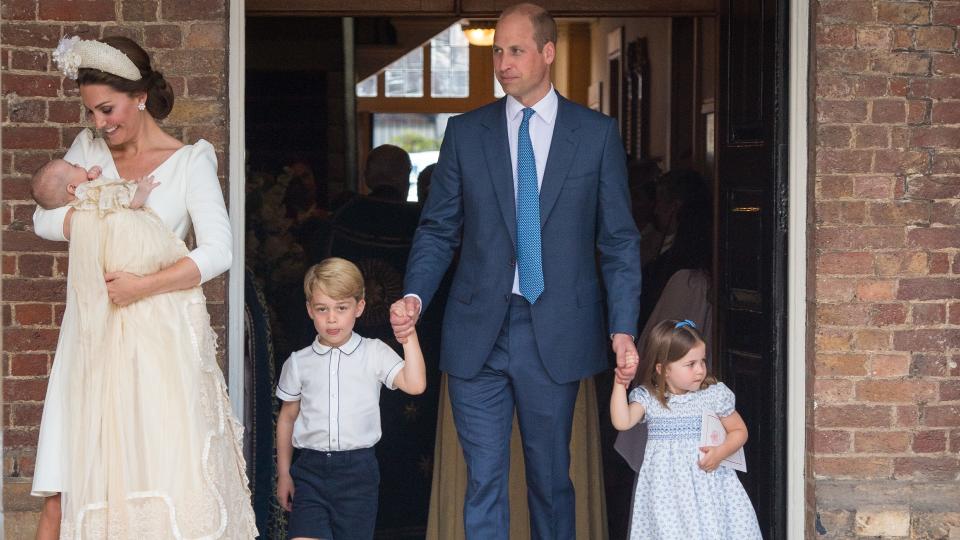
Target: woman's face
x=665, y=211
x=114, y=114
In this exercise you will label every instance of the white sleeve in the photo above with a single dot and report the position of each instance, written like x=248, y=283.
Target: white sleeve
x=289, y=387
x=724, y=400
x=208, y=213
x=388, y=363
x=48, y=224
x=640, y=395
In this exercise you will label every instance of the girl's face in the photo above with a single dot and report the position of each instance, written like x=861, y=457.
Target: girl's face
x=687, y=373
x=113, y=113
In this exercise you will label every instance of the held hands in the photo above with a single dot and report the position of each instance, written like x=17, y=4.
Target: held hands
x=285, y=491
x=403, y=317
x=627, y=358
x=620, y=375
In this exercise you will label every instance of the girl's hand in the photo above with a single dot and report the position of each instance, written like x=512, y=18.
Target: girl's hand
x=627, y=357
x=711, y=460
x=624, y=375
x=285, y=491
x=124, y=288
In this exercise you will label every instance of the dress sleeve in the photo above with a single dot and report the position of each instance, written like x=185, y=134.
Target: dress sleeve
x=639, y=395
x=208, y=213
x=48, y=224
x=289, y=387
x=724, y=400
x=388, y=363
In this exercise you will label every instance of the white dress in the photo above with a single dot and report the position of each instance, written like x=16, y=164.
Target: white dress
x=674, y=498
x=137, y=432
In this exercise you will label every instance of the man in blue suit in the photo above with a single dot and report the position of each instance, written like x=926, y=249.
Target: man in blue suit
x=533, y=190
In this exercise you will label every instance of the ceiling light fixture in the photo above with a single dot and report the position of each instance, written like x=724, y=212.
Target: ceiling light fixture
x=479, y=33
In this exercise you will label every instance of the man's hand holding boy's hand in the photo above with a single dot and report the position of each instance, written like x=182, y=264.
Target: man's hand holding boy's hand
x=403, y=317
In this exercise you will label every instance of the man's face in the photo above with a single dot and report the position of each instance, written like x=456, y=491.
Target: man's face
x=523, y=71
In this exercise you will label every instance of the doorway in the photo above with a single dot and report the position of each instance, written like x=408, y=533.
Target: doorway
x=749, y=234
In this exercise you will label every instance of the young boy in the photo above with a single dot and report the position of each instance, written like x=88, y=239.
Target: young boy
x=331, y=410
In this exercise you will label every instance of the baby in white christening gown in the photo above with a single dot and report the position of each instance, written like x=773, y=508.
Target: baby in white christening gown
x=150, y=446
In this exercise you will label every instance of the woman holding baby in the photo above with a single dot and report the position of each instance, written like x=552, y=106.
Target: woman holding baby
x=108, y=461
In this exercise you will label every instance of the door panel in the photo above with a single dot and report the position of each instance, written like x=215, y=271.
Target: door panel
x=752, y=240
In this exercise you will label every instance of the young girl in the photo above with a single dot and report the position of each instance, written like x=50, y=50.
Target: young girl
x=682, y=492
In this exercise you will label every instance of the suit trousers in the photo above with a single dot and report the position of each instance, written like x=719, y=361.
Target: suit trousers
x=514, y=379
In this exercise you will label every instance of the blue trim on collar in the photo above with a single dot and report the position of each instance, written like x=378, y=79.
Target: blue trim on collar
x=349, y=347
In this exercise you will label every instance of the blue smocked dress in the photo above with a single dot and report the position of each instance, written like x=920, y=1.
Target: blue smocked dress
x=674, y=498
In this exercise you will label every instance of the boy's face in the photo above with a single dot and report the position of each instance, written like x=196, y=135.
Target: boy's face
x=333, y=318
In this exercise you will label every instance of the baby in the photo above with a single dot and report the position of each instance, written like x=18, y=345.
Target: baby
x=56, y=184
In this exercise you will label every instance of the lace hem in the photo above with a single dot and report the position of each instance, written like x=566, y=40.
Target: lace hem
x=224, y=501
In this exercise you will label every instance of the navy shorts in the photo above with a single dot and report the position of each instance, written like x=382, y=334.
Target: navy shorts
x=335, y=494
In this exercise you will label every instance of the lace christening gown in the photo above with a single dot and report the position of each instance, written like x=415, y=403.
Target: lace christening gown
x=151, y=447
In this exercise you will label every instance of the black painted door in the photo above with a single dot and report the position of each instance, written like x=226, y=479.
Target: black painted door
x=751, y=204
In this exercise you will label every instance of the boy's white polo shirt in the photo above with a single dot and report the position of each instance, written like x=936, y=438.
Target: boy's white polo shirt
x=339, y=392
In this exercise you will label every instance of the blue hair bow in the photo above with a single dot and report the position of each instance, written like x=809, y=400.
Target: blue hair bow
x=686, y=322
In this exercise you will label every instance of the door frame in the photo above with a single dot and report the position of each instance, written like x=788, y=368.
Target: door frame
x=236, y=183
x=799, y=31
x=797, y=264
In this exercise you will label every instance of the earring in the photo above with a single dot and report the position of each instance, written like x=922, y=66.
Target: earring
x=141, y=106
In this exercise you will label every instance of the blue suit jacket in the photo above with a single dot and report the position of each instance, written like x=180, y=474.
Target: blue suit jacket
x=584, y=213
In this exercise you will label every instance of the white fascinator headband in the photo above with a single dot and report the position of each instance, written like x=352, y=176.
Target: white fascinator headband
x=74, y=53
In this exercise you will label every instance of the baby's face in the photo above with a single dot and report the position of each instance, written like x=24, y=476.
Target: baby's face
x=75, y=175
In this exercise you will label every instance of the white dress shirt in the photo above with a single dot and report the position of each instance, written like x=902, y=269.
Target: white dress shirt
x=540, y=127
x=339, y=392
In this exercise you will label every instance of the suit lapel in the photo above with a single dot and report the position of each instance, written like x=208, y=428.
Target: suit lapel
x=563, y=149
x=496, y=150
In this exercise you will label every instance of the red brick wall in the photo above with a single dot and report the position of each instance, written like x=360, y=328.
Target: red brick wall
x=41, y=114
x=886, y=315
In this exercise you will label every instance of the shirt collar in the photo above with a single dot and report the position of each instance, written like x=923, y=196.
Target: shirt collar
x=349, y=347
x=546, y=108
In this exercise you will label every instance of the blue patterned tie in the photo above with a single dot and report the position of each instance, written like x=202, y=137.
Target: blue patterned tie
x=529, y=256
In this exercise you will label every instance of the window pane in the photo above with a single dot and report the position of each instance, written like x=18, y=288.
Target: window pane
x=367, y=87
x=418, y=134
x=450, y=64
x=404, y=78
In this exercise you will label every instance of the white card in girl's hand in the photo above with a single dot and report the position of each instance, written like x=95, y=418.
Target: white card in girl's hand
x=713, y=434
